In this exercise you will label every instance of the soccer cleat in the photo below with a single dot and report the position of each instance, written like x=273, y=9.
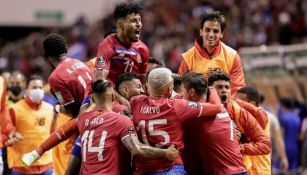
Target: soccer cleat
x=29, y=158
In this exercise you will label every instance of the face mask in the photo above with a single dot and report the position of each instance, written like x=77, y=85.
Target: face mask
x=36, y=95
x=16, y=90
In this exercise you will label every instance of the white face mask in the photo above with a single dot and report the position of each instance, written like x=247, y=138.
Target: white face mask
x=36, y=95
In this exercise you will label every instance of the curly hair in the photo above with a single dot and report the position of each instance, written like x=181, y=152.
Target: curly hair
x=122, y=10
x=54, y=46
x=216, y=76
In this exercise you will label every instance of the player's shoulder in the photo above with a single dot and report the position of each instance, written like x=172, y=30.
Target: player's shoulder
x=140, y=45
x=138, y=98
x=109, y=40
x=228, y=48
x=189, y=54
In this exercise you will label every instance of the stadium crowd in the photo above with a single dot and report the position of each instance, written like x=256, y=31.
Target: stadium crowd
x=203, y=120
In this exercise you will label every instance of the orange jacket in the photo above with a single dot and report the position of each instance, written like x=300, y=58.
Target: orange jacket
x=261, y=164
x=6, y=122
x=223, y=58
x=259, y=114
x=259, y=142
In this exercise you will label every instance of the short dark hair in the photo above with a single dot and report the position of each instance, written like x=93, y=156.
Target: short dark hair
x=34, y=77
x=100, y=86
x=216, y=76
x=54, y=46
x=213, y=16
x=122, y=10
x=127, y=76
x=196, y=81
x=261, y=98
x=251, y=93
x=177, y=82
x=288, y=103
x=154, y=60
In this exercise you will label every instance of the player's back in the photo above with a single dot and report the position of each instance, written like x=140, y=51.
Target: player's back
x=215, y=143
x=101, y=132
x=70, y=81
x=159, y=123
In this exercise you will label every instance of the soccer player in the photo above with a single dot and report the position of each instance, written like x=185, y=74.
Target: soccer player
x=210, y=53
x=213, y=141
x=70, y=79
x=159, y=120
x=123, y=51
x=261, y=164
x=100, y=131
x=128, y=85
x=70, y=83
x=258, y=143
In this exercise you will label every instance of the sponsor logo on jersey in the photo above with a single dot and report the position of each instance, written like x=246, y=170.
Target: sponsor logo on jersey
x=100, y=61
x=41, y=121
x=192, y=104
x=59, y=97
x=131, y=129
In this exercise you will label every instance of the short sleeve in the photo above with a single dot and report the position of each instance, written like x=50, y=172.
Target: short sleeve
x=104, y=55
x=124, y=127
x=186, y=110
x=61, y=91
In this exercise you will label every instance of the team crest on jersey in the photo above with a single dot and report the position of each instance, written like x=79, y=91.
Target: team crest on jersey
x=122, y=54
x=192, y=104
x=59, y=97
x=138, y=58
x=131, y=129
x=100, y=61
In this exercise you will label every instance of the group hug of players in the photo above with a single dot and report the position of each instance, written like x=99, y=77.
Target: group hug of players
x=130, y=120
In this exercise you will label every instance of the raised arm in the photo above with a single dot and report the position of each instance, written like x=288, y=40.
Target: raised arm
x=136, y=148
x=259, y=142
x=258, y=113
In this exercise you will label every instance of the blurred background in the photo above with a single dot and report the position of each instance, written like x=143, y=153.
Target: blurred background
x=270, y=35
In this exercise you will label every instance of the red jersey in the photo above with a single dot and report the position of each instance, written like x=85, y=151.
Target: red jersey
x=117, y=58
x=215, y=145
x=121, y=109
x=70, y=82
x=101, y=133
x=159, y=124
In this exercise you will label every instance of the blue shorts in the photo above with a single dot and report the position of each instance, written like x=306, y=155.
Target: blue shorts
x=76, y=151
x=245, y=173
x=86, y=101
x=48, y=172
x=176, y=170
